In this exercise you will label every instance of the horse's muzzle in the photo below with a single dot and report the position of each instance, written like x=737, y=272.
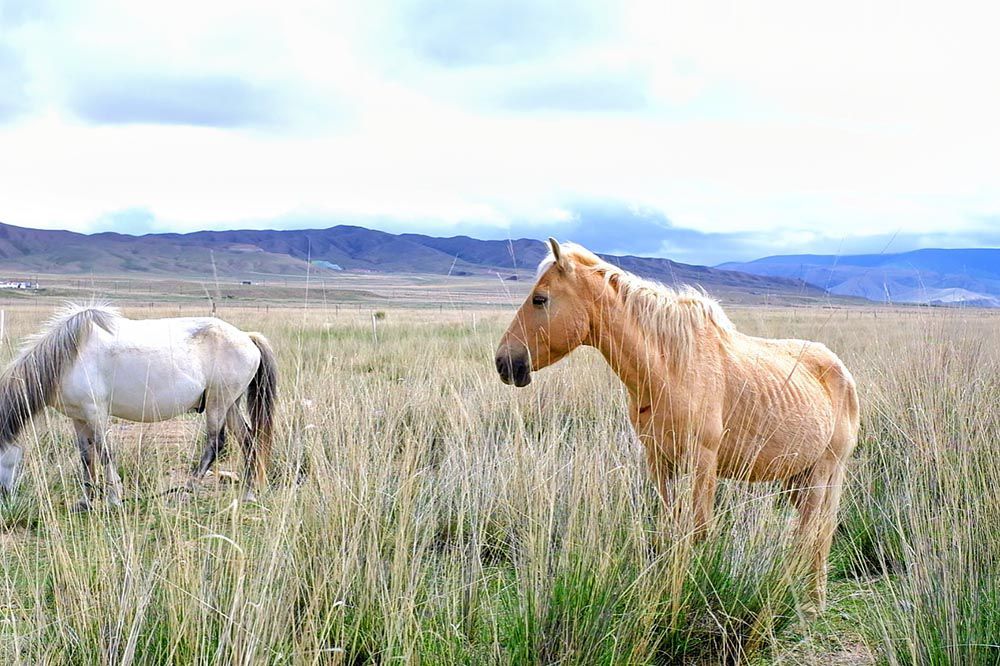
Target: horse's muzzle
x=513, y=368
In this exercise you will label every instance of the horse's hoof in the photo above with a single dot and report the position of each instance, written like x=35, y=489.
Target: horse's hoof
x=812, y=609
x=179, y=496
x=227, y=477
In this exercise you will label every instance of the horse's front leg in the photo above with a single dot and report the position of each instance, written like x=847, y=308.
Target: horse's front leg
x=691, y=505
x=705, y=475
x=85, y=444
x=662, y=470
x=111, y=478
x=659, y=460
x=10, y=462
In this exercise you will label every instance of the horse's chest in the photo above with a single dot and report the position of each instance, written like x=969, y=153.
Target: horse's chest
x=670, y=428
x=643, y=422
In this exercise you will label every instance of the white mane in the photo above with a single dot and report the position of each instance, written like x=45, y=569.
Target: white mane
x=29, y=381
x=101, y=309
x=96, y=312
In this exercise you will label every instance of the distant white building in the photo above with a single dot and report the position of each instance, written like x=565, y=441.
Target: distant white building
x=18, y=284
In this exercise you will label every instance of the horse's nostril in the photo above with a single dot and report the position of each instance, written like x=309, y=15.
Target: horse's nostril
x=505, y=367
x=520, y=372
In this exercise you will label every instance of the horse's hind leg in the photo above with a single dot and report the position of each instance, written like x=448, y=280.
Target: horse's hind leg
x=817, y=499
x=253, y=469
x=826, y=529
x=215, y=439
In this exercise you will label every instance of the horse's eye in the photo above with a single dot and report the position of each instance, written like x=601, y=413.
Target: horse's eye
x=539, y=300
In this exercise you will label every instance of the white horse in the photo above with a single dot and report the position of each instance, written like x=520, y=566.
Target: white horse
x=90, y=362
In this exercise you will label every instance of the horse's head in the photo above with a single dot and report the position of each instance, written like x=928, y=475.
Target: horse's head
x=553, y=321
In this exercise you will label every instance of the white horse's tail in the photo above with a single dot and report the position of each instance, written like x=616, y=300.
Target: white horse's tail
x=30, y=381
x=261, y=395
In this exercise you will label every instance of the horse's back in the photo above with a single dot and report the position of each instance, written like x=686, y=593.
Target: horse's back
x=219, y=350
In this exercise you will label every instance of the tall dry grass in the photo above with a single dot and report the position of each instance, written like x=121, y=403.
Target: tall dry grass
x=422, y=511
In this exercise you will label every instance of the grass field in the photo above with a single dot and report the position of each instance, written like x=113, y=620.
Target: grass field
x=420, y=511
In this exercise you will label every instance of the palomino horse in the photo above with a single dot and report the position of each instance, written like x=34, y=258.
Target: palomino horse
x=91, y=363
x=703, y=397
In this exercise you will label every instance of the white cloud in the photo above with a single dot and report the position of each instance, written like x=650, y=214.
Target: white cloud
x=851, y=120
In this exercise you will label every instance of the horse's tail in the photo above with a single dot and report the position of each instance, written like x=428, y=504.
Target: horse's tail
x=30, y=381
x=261, y=394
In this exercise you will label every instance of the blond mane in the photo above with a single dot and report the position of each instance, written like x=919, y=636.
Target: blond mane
x=672, y=318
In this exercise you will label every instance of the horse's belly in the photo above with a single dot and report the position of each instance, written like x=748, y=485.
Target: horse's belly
x=778, y=420
x=155, y=390
x=150, y=403
x=146, y=388
x=773, y=449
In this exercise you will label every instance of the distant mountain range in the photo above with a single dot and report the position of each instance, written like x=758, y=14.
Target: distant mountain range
x=939, y=277
x=250, y=253
x=968, y=277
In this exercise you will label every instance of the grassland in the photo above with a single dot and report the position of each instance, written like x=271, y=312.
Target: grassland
x=420, y=511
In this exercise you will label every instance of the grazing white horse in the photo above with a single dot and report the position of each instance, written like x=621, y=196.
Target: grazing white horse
x=90, y=362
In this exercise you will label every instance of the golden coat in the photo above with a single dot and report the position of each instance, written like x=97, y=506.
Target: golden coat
x=703, y=397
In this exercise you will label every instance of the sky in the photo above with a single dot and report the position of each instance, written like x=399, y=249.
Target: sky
x=700, y=131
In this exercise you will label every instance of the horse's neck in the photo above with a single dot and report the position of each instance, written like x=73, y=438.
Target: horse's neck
x=632, y=355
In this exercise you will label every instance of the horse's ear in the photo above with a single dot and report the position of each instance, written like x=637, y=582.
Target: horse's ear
x=556, y=250
x=562, y=263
